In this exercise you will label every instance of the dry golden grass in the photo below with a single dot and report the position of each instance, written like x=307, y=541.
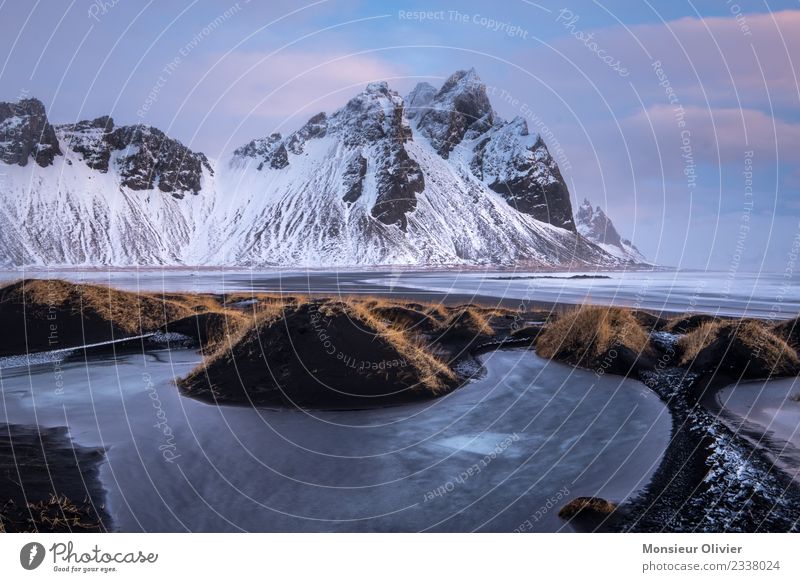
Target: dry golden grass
x=778, y=355
x=751, y=340
x=55, y=514
x=789, y=331
x=235, y=325
x=594, y=506
x=375, y=314
x=695, y=341
x=131, y=312
x=587, y=332
x=475, y=319
x=432, y=371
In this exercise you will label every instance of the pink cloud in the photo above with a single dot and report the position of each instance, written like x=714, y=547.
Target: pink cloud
x=721, y=134
x=290, y=86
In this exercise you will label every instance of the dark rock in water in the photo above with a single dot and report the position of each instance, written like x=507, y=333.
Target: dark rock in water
x=595, y=506
x=590, y=513
x=25, y=133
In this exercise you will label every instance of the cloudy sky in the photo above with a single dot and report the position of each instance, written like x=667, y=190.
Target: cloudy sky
x=681, y=118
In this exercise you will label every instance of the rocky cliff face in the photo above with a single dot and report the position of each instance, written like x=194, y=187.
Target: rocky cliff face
x=519, y=167
x=144, y=157
x=436, y=178
x=595, y=226
x=373, y=129
x=26, y=134
x=458, y=120
x=459, y=110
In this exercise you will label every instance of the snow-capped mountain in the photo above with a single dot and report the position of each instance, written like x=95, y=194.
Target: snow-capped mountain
x=436, y=178
x=596, y=227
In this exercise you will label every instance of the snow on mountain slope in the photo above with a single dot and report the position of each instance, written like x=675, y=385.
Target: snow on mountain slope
x=69, y=214
x=596, y=227
x=370, y=184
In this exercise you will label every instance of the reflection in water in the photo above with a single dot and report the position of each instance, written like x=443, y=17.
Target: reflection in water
x=487, y=456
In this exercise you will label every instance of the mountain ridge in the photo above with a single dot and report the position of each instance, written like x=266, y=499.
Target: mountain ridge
x=447, y=182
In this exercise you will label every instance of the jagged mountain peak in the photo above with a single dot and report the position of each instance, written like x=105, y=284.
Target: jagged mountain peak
x=463, y=80
x=26, y=133
x=595, y=225
x=417, y=101
x=433, y=179
x=461, y=105
x=144, y=157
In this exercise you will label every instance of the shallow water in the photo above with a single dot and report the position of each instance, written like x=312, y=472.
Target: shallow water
x=535, y=431
x=767, y=413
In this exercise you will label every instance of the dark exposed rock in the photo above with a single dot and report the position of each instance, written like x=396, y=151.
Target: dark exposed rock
x=153, y=159
x=460, y=105
x=519, y=167
x=418, y=101
x=315, y=127
x=148, y=158
x=353, y=178
x=399, y=180
x=26, y=133
x=375, y=119
x=597, y=225
x=373, y=126
x=593, y=224
x=270, y=151
x=88, y=139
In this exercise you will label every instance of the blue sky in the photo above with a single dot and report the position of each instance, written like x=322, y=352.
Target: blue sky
x=681, y=118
